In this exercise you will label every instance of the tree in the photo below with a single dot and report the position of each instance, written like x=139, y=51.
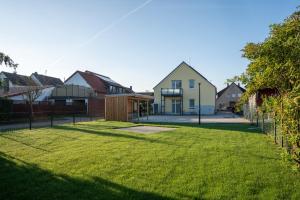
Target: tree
x=7, y=61
x=31, y=94
x=274, y=63
x=232, y=80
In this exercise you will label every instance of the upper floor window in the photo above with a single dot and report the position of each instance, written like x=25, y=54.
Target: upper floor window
x=192, y=83
x=176, y=84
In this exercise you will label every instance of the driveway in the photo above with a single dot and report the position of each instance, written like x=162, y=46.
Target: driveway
x=217, y=118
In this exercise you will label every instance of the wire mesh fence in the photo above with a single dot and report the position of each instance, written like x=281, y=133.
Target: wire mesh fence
x=272, y=127
x=19, y=115
x=48, y=120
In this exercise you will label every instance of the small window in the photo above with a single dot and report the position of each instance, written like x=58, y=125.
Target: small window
x=192, y=83
x=176, y=84
x=239, y=94
x=192, y=104
x=233, y=95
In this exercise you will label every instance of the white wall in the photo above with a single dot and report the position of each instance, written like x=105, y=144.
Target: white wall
x=45, y=93
x=77, y=79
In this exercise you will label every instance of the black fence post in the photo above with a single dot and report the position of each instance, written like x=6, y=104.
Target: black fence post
x=51, y=118
x=275, y=129
x=30, y=122
x=263, y=122
x=256, y=118
x=73, y=119
x=287, y=143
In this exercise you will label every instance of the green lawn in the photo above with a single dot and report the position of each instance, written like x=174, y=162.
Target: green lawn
x=92, y=160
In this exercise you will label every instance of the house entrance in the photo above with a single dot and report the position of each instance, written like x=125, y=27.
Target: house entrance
x=176, y=106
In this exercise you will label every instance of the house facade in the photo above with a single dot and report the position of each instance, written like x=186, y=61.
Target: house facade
x=101, y=84
x=178, y=93
x=228, y=97
x=16, y=87
x=87, y=89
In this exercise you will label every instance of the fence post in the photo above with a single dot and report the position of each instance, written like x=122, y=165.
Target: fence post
x=30, y=122
x=263, y=122
x=51, y=118
x=287, y=143
x=256, y=118
x=73, y=119
x=275, y=129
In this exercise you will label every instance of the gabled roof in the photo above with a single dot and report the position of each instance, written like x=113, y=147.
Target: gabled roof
x=184, y=63
x=223, y=90
x=106, y=79
x=47, y=80
x=96, y=80
x=18, y=79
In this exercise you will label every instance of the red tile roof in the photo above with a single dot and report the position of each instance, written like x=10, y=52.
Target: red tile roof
x=95, y=82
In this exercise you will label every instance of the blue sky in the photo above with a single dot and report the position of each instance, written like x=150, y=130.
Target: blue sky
x=135, y=42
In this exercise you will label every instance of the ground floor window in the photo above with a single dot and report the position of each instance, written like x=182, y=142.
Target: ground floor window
x=192, y=103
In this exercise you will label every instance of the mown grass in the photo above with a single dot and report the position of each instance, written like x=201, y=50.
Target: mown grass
x=93, y=160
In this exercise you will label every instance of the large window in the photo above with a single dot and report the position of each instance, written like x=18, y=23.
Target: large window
x=192, y=103
x=176, y=106
x=192, y=83
x=176, y=84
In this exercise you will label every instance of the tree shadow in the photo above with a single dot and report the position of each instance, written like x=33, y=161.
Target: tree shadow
x=27, y=181
x=21, y=142
x=240, y=127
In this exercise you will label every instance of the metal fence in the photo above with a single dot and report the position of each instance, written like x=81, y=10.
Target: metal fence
x=19, y=115
x=272, y=127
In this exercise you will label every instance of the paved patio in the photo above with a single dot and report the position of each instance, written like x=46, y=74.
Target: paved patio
x=217, y=118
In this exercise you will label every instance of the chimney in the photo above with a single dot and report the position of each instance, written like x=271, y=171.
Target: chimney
x=227, y=84
x=239, y=84
x=130, y=87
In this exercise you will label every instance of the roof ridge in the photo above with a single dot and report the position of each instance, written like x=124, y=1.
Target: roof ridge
x=183, y=62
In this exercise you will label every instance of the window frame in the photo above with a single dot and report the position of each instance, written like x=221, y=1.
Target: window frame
x=192, y=81
x=192, y=107
x=176, y=82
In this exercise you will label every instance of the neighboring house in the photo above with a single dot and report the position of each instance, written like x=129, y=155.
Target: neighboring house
x=71, y=94
x=101, y=84
x=228, y=97
x=12, y=83
x=22, y=96
x=89, y=89
x=15, y=87
x=178, y=93
x=256, y=100
x=42, y=80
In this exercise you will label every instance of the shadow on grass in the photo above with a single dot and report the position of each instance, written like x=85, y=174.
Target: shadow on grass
x=21, y=142
x=108, y=134
x=27, y=181
x=241, y=127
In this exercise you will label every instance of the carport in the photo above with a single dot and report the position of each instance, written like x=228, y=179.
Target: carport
x=126, y=107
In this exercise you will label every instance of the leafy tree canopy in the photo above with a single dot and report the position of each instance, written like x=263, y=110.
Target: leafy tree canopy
x=7, y=61
x=275, y=63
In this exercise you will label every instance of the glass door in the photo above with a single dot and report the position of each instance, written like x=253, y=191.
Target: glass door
x=176, y=106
